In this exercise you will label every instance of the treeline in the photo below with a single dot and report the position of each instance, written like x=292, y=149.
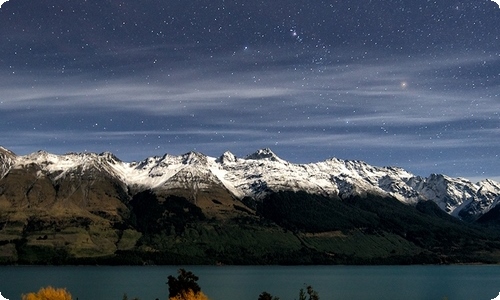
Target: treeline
x=183, y=287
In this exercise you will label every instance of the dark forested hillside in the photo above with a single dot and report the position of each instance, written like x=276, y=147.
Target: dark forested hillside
x=282, y=228
x=401, y=229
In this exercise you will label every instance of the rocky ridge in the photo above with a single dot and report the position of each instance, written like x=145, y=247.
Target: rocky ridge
x=258, y=174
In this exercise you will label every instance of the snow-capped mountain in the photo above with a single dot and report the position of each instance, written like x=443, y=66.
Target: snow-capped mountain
x=7, y=159
x=260, y=173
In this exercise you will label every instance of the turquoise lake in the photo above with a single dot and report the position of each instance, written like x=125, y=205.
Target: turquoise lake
x=247, y=282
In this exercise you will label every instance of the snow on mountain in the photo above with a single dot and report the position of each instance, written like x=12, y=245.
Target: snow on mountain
x=7, y=160
x=59, y=166
x=263, y=172
x=458, y=196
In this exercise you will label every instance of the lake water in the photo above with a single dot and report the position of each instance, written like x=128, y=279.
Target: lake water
x=246, y=283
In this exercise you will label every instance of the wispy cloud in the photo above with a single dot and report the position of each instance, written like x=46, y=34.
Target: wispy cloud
x=397, y=105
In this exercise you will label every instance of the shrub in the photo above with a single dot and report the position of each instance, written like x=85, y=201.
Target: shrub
x=189, y=295
x=48, y=293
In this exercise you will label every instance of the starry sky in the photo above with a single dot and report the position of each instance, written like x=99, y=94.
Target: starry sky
x=414, y=84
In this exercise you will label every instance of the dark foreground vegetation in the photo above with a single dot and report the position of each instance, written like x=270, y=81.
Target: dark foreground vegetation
x=182, y=287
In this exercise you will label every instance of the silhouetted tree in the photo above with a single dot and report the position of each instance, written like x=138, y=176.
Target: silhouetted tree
x=125, y=297
x=313, y=295
x=302, y=294
x=267, y=296
x=184, y=282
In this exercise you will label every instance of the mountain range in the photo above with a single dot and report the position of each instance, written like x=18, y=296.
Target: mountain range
x=192, y=208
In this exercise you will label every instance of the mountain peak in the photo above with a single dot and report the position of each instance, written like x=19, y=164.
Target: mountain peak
x=226, y=157
x=7, y=159
x=6, y=152
x=193, y=157
x=41, y=155
x=264, y=154
x=109, y=157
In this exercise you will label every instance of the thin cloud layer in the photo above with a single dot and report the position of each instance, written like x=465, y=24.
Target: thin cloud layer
x=390, y=95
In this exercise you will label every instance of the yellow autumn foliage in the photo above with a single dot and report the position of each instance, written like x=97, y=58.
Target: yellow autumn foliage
x=48, y=293
x=189, y=295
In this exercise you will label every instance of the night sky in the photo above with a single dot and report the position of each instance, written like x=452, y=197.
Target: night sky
x=414, y=84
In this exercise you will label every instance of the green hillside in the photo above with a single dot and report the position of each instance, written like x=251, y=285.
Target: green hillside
x=283, y=228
